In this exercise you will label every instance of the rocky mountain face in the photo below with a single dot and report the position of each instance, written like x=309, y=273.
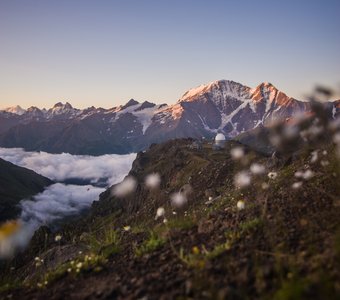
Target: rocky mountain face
x=221, y=106
x=17, y=183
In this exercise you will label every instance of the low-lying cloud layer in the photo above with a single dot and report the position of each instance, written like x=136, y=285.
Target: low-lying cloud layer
x=59, y=200
x=110, y=168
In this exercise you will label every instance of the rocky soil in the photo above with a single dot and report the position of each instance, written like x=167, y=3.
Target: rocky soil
x=284, y=243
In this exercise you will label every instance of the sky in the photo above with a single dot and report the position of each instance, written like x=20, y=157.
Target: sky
x=104, y=53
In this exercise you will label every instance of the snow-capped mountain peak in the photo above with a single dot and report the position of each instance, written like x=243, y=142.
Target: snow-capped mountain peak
x=18, y=110
x=222, y=106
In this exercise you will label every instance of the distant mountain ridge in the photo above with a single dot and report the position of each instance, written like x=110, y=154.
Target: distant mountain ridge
x=221, y=106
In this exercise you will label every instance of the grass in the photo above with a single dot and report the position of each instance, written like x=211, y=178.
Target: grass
x=105, y=243
x=151, y=244
x=198, y=258
x=83, y=264
x=251, y=225
x=181, y=223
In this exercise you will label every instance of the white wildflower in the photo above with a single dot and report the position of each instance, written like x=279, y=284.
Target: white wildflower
x=297, y=185
x=165, y=220
x=290, y=131
x=79, y=265
x=127, y=228
x=58, y=238
x=237, y=153
x=272, y=175
x=242, y=179
x=160, y=212
x=275, y=140
x=314, y=157
x=240, y=204
x=324, y=163
x=298, y=174
x=69, y=270
x=178, y=199
x=152, y=181
x=126, y=187
x=308, y=174
x=265, y=186
x=257, y=169
x=336, y=137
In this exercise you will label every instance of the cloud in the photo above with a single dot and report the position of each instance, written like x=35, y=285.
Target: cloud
x=52, y=205
x=59, y=200
x=108, y=169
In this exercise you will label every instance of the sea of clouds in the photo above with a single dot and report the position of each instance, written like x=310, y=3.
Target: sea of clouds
x=61, y=200
x=110, y=168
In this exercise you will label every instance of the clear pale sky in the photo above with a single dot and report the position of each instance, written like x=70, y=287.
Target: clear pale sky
x=103, y=53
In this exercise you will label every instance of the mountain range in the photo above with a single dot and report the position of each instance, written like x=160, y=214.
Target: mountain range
x=220, y=106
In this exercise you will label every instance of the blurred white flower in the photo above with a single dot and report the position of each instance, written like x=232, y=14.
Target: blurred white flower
x=308, y=174
x=69, y=270
x=152, y=181
x=298, y=174
x=127, y=228
x=297, y=185
x=58, y=238
x=324, y=163
x=240, y=204
x=79, y=265
x=165, y=220
x=178, y=199
x=237, y=153
x=275, y=140
x=160, y=212
x=242, y=179
x=265, y=186
x=272, y=175
x=314, y=158
x=257, y=169
x=126, y=187
x=336, y=137
x=290, y=131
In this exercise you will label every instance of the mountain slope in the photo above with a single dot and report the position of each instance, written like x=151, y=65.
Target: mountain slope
x=281, y=245
x=17, y=183
x=221, y=106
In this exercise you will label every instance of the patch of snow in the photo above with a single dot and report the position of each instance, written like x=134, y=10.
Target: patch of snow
x=15, y=110
x=144, y=116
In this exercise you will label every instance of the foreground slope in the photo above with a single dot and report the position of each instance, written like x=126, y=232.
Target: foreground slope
x=284, y=244
x=17, y=183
